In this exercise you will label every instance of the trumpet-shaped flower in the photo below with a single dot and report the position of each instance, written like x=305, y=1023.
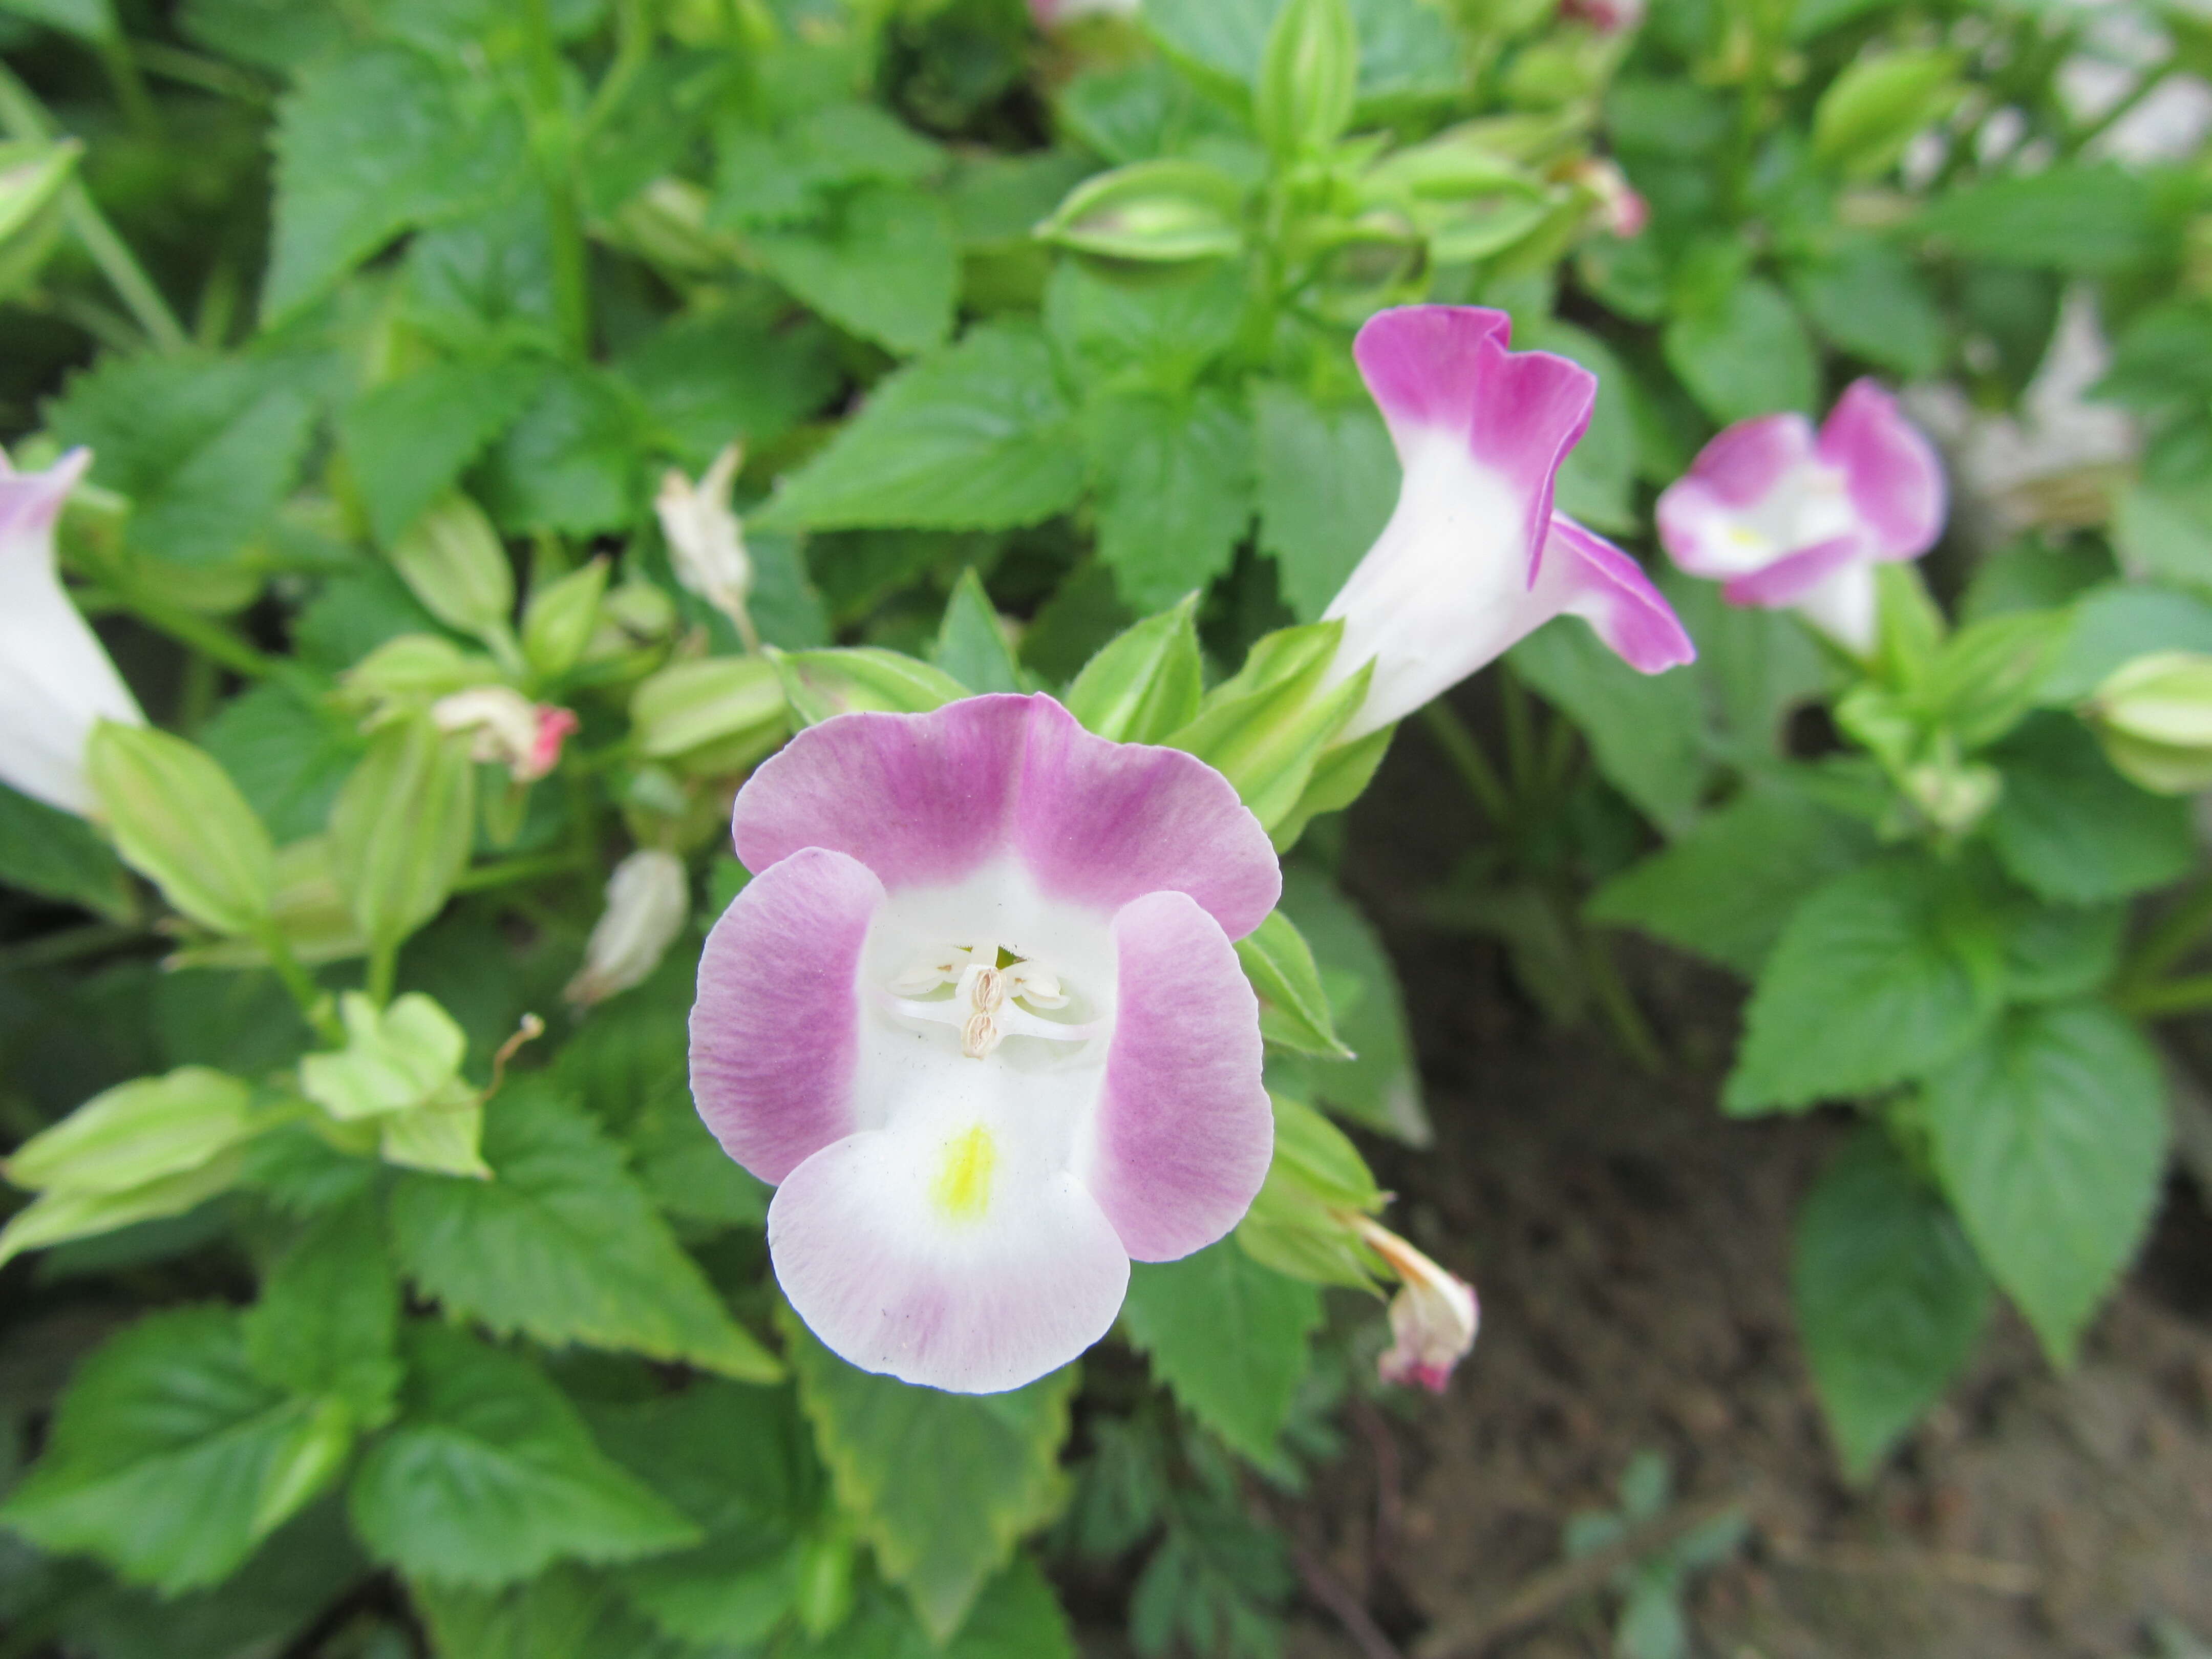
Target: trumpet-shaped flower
x=648, y=896
x=1786, y=516
x=56, y=680
x=507, y=729
x=1475, y=558
x=1433, y=1317
x=978, y=1015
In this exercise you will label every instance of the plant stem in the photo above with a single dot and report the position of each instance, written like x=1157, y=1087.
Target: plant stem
x=23, y=116
x=1619, y=1006
x=505, y=872
x=553, y=143
x=1520, y=734
x=130, y=86
x=1466, y=757
x=2175, y=996
x=383, y=971
x=2151, y=81
x=2170, y=940
x=67, y=945
x=313, y=1003
x=210, y=638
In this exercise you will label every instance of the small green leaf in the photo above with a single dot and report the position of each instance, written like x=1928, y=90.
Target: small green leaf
x=2051, y=1138
x=1888, y=1295
x=1168, y=211
x=162, y=1453
x=1883, y=972
x=971, y=642
x=563, y=1246
x=977, y=437
x=1297, y=1225
x=1229, y=1336
x=1293, y=1007
x=180, y=821
x=1382, y=1089
x=137, y=1132
x=565, y=1613
x=1145, y=682
x=1647, y=733
x=2093, y=219
x=942, y=1486
x=490, y=1476
x=66, y=1213
x=1266, y=727
x=1870, y=113
x=1162, y=333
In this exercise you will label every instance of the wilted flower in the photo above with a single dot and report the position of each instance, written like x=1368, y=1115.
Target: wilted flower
x=56, y=680
x=1620, y=210
x=1606, y=16
x=648, y=896
x=706, y=542
x=1789, y=517
x=507, y=729
x=1433, y=1316
x=1048, y=13
x=979, y=1014
x=1475, y=558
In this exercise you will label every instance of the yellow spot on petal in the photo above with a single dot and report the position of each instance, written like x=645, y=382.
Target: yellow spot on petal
x=963, y=1189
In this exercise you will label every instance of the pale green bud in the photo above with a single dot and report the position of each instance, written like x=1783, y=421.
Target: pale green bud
x=1874, y=108
x=401, y=829
x=1265, y=728
x=180, y=821
x=137, y=1132
x=1144, y=682
x=2154, y=717
x=452, y=561
x=1309, y=78
x=559, y=620
x=822, y=685
x=1162, y=211
x=714, y=716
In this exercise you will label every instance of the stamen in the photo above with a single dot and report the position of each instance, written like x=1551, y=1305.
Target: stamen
x=988, y=1003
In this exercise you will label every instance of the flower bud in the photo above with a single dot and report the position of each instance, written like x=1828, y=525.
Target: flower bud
x=1873, y=109
x=1308, y=77
x=1161, y=212
x=180, y=821
x=507, y=729
x=648, y=896
x=1433, y=1317
x=1265, y=727
x=822, y=685
x=558, y=622
x=401, y=830
x=2154, y=717
x=452, y=561
x=707, y=542
x=714, y=715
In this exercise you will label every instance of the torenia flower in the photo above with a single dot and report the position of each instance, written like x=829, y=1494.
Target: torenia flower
x=1475, y=558
x=978, y=1014
x=1433, y=1317
x=1786, y=516
x=507, y=729
x=707, y=542
x=56, y=681
x=648, y=896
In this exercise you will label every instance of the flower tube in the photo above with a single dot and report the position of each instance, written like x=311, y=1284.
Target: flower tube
x=978, y=1015
x=1786, y=516
x=56, y=680
x=1474, y=558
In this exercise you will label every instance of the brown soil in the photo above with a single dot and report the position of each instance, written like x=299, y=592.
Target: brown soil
x=1630, y=1248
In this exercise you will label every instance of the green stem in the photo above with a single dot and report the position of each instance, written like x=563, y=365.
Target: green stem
x=634, y=35
x=314, y=1006
x=383, y=971
x=505, y=872
x=553, y=141
x=1467, y=759
x=68, y=945
x=210, y=638
x=130, y=86
x=1619, y=1006
x=23, y=116
x=1520, y=733
x=2170, y=940
x=190, y=68
x=2175, y=996
x=2151, y=81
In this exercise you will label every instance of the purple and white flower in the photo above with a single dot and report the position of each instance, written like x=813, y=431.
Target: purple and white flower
x=1475, y=558
x=1786, y=516
x=979, y=1016
x=56, y=680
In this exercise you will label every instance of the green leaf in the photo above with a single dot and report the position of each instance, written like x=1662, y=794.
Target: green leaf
x=137, y=1132
x=1295, y=1225
x=572, y=461
x=1889, y=1297
x=941, y=1485
x=563, y=1245
x=1229, y=1337
x=1646, y=732
x=971, y=642
x=977, y=437
x=1162, y=213
x=273, y=34
x=2056, y=952
x=1725, y=888
x=1407, y=50
x=327, y=1323
x=92, y=20
x=2074, y=829
x=1162, y=333
x=2165, y=531
x=1293, y=1007
x=402, y=828
x=1144, y=684
x=1869, y=113
x=163, y=1454
x=1267, y=726
x=1885, y=972
x=1328, y=481
x=57, y=856
x=883, y=266
x=2050, y=1138
x=1867, y=298
x=490, y=1476
x=1015, y=1617
x=204, y=448
x=822, y=685
x=705, y=380
x=1743, y=353
x=409, y=441
x=68, y=1212
x=568, y=1613
x=1381, y=1090
x=1174, y=490
x=2115, y=625
x=288, y=757
x=370, y=145
x=180, y=821
x=2094, y=219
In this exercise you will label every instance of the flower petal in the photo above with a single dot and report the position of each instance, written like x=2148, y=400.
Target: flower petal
x=776, y=1030
x=985, y=1292
x=1595, y=580
x=56, y=679
x=1892, y=472
x=1788, y=579
x=929, y=799
x=1732, y=475
x=1419, y=362
x=1184, y=1132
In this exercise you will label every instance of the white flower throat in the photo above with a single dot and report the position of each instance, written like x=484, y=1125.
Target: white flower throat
x=991, y=999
